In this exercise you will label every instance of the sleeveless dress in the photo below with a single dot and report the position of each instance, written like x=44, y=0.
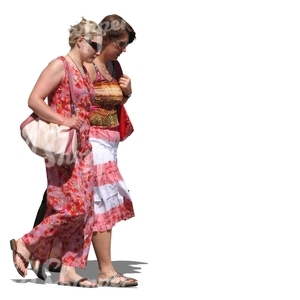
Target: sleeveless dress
x=112, y=201
x=70, y=211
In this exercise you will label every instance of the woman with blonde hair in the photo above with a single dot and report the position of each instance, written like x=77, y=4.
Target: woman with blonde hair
x=69, y=216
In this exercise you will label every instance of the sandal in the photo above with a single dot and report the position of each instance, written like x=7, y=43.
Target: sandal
x=13, y=247
x=78, y=283
x=125, y=282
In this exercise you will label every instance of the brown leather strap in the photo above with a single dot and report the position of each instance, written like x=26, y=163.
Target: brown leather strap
x=118, y=69
x=71, y=87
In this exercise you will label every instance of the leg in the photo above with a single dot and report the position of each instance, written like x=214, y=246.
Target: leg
x=112, y=203
x=36, y=265
x=68, y=274
x=70, y=224
x=107, y=274
x=75, y=244
x=102, y=246
x=24, y=251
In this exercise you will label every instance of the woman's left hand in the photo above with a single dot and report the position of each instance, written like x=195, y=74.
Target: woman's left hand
x=125, y=84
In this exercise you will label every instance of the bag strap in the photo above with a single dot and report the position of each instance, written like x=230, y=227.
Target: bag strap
x=71, y=87
x=119, y=73
x=118, y=69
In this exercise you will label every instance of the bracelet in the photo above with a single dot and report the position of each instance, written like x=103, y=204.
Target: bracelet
x=127, y=96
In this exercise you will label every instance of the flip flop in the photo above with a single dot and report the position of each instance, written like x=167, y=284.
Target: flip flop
x=78, y=283
x=13, y=247
x=125, y=282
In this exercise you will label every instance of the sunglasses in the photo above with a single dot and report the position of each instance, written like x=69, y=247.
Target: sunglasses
x=96, y=46
x=121, y=45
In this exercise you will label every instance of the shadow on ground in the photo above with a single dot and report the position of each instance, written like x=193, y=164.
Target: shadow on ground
x=122, y=266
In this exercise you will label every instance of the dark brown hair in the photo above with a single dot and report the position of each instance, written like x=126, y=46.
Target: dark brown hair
x=116, y=28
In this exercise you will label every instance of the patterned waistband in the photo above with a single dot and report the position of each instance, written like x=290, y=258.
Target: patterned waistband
x=104, y=117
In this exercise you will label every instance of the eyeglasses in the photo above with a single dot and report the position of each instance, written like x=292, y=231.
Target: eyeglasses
x=96, y=46
x=121, y=45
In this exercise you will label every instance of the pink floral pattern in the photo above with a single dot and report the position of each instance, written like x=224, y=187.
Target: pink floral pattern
x=70, y=212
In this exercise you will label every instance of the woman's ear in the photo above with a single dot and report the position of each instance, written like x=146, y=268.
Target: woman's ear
x=79, y=42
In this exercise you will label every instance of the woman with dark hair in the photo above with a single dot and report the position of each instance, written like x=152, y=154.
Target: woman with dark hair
x=112, y=201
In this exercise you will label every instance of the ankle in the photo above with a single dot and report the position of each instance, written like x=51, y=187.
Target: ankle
x=22, y=245
x=67, y=271
x=68, y=274
x=106, y=272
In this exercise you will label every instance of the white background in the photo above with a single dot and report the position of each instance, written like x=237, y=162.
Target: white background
x=213, y=165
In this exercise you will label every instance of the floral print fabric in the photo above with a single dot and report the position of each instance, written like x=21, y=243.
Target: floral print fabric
x=70, y=212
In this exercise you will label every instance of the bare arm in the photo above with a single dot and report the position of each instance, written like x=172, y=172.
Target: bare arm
x=47, y=82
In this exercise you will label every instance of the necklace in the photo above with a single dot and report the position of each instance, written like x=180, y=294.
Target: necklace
x=76, y=66
x=83, y=78
x=104, y=69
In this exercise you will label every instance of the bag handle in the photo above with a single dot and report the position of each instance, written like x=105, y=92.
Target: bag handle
x=118, y=69
x=73, y=111
x=119, y=73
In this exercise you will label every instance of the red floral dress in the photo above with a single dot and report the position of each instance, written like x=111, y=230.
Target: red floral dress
x=70, y=210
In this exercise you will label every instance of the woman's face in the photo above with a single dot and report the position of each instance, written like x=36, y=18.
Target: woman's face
x=91, y=48
x=116, y=47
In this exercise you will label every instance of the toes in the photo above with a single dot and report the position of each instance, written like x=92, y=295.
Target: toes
x=21, y=262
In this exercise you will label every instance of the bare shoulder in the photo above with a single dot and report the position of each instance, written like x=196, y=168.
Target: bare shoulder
x=55, y=69
x=56, y=65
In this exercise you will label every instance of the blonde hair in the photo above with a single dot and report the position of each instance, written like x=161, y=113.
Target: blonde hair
x=87, y=29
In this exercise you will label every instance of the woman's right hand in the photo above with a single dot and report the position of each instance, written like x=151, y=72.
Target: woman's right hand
x=73, y=122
